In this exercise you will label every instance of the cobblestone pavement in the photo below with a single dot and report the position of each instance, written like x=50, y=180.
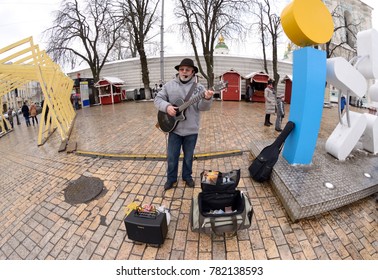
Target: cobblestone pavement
x=37, y=223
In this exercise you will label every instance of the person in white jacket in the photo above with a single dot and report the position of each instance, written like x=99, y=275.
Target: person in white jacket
x=270, y=102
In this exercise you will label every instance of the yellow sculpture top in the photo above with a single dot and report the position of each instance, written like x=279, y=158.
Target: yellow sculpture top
x=221, y=39
x=307, y=22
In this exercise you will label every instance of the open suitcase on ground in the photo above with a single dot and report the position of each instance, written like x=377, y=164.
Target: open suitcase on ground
x=220, y=208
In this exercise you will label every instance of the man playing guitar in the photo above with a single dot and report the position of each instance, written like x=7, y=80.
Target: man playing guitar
x=184, y=133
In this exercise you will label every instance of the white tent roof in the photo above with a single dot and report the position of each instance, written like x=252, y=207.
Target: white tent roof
x=250, y=75
x=111, y=80
x=287, y=77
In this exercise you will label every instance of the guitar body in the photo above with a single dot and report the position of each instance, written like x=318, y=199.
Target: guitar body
x=168, y=123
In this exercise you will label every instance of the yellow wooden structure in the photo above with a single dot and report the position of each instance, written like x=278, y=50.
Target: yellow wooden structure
x=23, y=62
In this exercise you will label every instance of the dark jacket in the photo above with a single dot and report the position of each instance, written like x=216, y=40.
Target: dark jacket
x=175, y=90
x=25, y=110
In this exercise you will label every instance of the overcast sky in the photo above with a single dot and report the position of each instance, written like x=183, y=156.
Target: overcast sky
x=20, y=19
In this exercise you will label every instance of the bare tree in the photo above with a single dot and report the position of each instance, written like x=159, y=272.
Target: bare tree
x=343, y=41
x=87, y=33
x=141, y=15
x=269, y=25
x=204, y=20
x=262, y=29
x=125, y=46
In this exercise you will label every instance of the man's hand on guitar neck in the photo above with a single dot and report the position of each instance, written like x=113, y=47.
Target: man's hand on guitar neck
x=208, y=94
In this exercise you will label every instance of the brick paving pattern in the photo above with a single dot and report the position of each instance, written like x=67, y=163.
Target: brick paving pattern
x=37, y=223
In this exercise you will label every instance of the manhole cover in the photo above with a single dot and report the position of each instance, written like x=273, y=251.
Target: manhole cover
x=83, y=190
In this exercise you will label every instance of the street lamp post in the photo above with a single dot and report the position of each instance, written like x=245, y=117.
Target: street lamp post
x=162, y=43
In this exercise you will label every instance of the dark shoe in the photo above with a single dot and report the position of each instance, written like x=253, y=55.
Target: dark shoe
x=168, y=185
x=189, y=183
x=267, y=124
x=270, y=123
x=278, y=129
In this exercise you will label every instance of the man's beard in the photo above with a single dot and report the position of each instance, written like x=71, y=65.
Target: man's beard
x=186, y=78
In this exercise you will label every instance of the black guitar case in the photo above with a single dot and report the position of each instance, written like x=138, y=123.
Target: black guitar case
x=262, y=166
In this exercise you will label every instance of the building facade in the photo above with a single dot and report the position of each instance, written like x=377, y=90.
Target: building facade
x=30, y=92
x=129, y=70
x=354, y=14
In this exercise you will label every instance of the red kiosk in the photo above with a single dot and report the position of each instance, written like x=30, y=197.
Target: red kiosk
x=258, y=81
x=110, y=90
x=233, y=90
x=288, y=81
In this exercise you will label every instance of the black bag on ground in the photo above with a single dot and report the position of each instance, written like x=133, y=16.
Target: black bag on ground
x=232, y=216
x=218, y=200
x=262, y=166
x=216, y=181
x=220, y=208
x=219, y=188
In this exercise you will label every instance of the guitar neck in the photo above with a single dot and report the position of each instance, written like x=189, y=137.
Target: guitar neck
x=191, y=102
x=197, y=98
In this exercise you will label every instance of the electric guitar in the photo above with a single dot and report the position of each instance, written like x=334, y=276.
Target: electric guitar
x=168, y=123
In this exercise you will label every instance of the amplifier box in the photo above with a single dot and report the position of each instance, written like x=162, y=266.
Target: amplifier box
x=151, y=229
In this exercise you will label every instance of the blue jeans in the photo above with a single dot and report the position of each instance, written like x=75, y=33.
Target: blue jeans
x=175, y=142
x=27, y=120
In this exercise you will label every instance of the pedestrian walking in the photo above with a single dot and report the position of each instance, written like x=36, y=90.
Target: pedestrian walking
x=280, y=111
x=26, y=113
x=248, y=93
x=33, y=113
x=76, y=101
x=10, y=116
x=342, y=104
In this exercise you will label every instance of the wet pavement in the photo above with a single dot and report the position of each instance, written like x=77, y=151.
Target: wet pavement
x=37, y=222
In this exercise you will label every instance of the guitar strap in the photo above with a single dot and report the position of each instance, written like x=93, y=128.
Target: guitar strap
x=190, y=91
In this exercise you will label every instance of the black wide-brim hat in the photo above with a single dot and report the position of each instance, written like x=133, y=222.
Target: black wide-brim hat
x=187, y=62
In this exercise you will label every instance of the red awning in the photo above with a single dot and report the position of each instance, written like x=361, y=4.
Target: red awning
x=260, y=79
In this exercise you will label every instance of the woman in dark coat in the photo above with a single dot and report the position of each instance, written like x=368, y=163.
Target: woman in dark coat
x=25, y=113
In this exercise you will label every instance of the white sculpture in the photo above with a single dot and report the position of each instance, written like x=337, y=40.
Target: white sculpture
x=351, y=79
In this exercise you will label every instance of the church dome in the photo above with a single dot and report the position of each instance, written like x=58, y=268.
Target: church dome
x=221, y=47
